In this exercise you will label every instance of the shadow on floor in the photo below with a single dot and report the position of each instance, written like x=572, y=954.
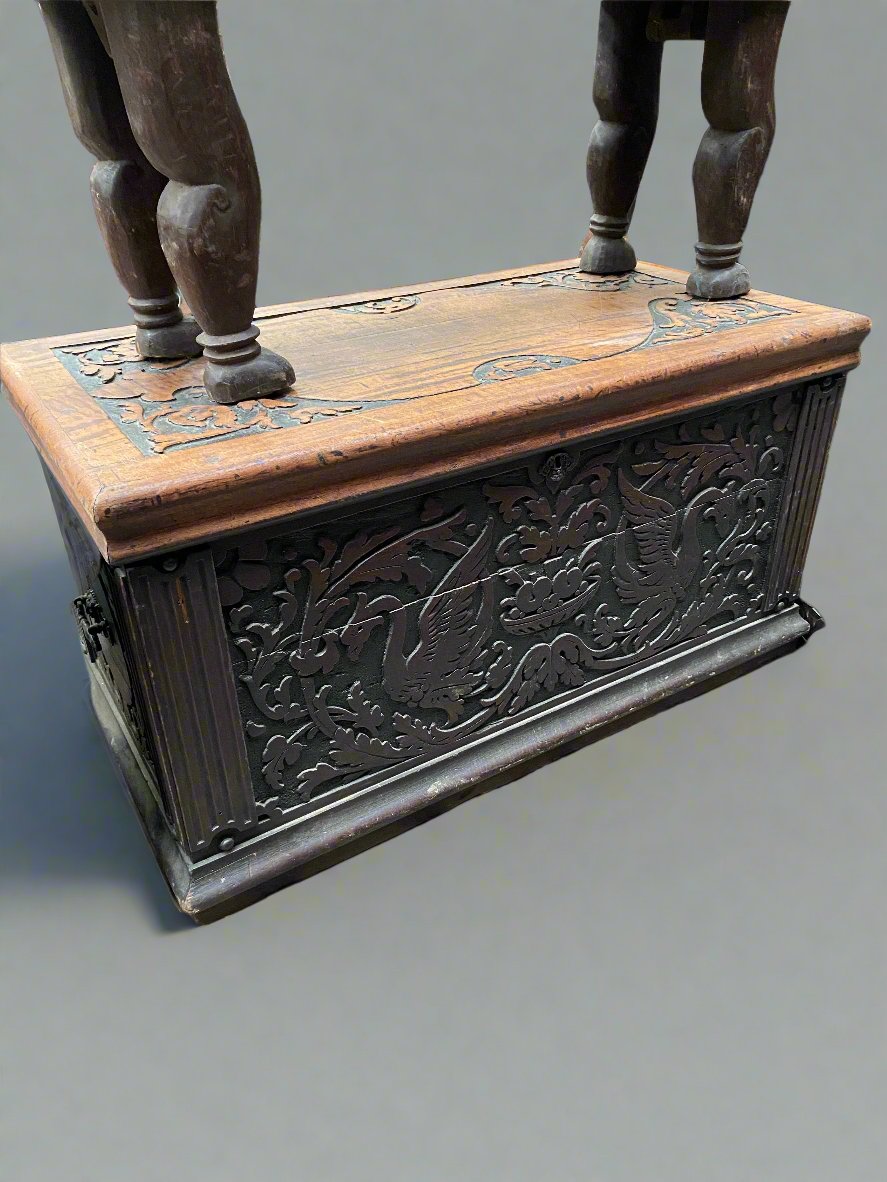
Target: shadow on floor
x=65, y=815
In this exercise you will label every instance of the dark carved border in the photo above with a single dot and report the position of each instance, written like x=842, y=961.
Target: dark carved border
x=817, y=417
x=174, y=619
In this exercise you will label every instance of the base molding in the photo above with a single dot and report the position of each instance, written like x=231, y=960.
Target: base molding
x=215, y=887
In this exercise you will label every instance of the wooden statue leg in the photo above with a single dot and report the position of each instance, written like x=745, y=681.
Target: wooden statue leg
x=626, y=94
x=185, y=118
x=738, y=68
x=125, y=187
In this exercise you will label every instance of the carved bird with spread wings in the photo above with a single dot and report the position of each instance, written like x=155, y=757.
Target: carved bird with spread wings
x=439, y=673
x=669, y=553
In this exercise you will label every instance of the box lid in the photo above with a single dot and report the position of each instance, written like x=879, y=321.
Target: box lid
x=395, y=387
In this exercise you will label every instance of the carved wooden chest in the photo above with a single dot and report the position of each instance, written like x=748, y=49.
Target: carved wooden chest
x=495, y=516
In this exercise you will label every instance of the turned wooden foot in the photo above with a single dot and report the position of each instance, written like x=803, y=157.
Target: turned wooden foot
x=237, y=368
x=162, y=331
x=719, y=275
x=607, y=251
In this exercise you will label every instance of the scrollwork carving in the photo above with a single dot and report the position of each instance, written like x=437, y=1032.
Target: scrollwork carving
x=519, y=365
x=582, y=281
x=371, y=643
x=170, y=410
x=386, y=306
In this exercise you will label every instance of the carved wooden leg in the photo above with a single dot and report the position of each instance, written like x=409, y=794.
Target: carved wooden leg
x=626, y=94
x=185, y=117
x=125, y=187
x=742, y=42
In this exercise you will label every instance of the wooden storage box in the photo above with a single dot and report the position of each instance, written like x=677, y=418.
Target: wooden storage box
x=495, y=516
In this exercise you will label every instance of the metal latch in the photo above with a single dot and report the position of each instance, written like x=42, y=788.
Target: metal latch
x=92, y=624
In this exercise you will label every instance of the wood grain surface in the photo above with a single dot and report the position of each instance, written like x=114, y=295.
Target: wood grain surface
x=396, y=387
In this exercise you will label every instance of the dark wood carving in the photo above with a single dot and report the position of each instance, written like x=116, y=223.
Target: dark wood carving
x=739, y=63
x=175, y=186
x=501, y=516
x=370, y=643
x=305, y=691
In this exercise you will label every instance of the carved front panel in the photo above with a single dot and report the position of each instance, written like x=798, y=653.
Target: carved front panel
x=374, y=641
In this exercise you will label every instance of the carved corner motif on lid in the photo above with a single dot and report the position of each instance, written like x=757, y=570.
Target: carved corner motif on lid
x=174, y=410
x=681, y=317
x=675, y=318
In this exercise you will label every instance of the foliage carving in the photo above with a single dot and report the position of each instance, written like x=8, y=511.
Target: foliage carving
x=371, y=644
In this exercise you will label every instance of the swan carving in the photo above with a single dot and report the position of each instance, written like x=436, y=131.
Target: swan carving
x=454, y=625
x=669, y=553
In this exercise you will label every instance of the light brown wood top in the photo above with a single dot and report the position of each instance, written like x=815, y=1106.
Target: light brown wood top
x=394, y=387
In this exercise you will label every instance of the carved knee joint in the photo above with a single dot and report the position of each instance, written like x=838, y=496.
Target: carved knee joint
x=124, y=195
x=212, y=254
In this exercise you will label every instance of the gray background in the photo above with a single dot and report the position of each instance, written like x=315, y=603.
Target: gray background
x=661, y=959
